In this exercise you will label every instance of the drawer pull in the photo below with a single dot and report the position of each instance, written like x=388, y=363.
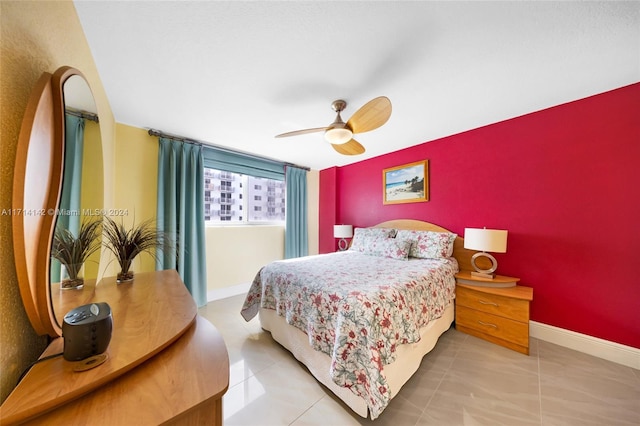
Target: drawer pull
x=487, y=303
x=487, y=324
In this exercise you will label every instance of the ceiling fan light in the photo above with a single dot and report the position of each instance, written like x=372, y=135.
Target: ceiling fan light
x=338, y=135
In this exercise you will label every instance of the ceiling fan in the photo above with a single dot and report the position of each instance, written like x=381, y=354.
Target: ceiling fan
x=339, y=134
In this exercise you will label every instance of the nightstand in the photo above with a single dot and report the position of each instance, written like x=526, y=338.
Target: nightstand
x=497, y=314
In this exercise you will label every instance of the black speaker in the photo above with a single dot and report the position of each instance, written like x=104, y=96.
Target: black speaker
x=87, y=331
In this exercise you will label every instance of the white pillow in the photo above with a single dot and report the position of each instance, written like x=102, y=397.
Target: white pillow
x=388, y=247
x=428, y=244
x=363, y=237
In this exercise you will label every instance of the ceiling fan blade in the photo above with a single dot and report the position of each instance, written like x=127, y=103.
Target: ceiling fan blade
x=371, y=115
x=301, y=132
x=353, y=147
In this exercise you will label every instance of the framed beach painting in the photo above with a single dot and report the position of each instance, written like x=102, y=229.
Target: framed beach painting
x=406, y=184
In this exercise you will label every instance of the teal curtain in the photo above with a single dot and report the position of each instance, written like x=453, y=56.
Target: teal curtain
x=69, y=216
x=237, y=162
x=296, y=241
x=181, y=213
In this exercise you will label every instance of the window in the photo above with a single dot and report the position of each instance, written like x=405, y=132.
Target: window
x=228, y=195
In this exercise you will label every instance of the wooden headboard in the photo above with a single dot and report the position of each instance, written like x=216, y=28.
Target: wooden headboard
x=462, y=255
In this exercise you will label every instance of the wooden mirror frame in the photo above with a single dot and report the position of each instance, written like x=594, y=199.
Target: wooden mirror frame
x=37, y=183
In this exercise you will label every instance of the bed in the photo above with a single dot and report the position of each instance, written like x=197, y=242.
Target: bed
x=362, y=320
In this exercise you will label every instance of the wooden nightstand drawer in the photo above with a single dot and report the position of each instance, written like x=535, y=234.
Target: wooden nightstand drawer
x=493, y=325
x=507, y=307
x=498, y=314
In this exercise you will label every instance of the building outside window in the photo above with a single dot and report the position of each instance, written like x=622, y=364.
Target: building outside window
x=236, y=198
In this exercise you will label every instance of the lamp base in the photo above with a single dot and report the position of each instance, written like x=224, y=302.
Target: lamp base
x=343, y=244
x=483, y=275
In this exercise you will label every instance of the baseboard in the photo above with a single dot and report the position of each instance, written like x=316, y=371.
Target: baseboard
x=611, y=351
x=223, y=293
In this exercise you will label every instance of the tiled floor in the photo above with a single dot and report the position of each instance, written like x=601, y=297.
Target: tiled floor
x=463, y=381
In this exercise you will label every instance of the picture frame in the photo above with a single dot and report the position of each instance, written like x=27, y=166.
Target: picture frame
x=408, y=183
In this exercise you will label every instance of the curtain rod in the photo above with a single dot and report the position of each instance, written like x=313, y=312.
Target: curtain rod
x=153, y=132
x=83, y=114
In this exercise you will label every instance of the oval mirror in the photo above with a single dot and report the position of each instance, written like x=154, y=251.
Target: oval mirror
x=38, y=183
x=36, y=188
x=81, y=196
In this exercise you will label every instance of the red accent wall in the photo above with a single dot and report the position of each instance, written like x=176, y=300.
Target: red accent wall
x=328, y=210
x=565, y=183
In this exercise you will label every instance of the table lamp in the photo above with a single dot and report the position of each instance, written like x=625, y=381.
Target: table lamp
x=343, y=232
x=485, y=240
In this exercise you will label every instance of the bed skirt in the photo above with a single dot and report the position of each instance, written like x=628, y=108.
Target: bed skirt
x=397, y=373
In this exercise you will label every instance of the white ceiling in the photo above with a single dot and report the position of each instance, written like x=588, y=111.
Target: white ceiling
x=236, y=73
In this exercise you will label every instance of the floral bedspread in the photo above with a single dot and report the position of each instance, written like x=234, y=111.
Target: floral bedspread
x=357, y=309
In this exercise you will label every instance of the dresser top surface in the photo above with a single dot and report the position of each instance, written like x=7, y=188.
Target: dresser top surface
x=149, y=314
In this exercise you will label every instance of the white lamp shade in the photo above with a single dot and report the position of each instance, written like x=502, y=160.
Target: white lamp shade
x=342, y=231
x=491, y=240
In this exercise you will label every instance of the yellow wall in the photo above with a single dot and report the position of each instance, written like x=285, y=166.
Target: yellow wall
x=136, y=176
x=92, y=194
x=136, y=179
x=236, y=253
x=35, y=37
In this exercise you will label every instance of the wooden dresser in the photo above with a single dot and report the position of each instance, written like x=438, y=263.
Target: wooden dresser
x=499, y=315
x=166, y=365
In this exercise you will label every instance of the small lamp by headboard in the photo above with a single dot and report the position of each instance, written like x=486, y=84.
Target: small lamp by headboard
x=493, y=240
x=343, y=232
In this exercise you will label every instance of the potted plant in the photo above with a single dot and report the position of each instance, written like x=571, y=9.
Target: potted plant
x=127, y=244
x=72, y=252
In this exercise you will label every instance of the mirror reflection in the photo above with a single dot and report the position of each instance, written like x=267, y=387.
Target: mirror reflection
x=75, y=249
